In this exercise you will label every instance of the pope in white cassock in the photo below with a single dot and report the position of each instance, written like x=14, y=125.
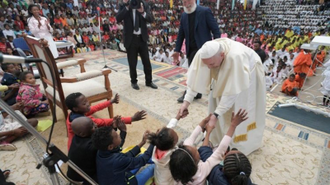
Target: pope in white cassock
x=233, y=76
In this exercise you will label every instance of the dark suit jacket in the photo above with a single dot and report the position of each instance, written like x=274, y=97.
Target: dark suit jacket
x=127, y=16
x=205, y=23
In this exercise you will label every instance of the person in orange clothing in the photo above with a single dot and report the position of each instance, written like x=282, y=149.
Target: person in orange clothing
x=63, y=20
x=79, y=106
x=290, y=86
x=303, y=63
x=320, y=56
x=300, y=79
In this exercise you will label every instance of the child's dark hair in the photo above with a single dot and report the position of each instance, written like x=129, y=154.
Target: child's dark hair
x=71, y=100
x=302, y=75
x=182, y=165
x=30, y=9
x=102, y=138
x=237, y=168
x=293, y=75
x=22, y=75
x=162, y=140
x=4, y=66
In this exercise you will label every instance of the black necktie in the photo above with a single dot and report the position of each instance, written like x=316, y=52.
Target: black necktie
x=137, y=23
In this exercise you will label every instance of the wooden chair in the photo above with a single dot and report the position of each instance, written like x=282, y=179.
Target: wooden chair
x=81, y=82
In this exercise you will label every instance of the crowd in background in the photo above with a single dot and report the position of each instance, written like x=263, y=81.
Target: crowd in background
x=278, y=25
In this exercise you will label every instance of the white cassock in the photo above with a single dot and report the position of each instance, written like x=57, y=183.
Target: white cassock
x=238, y=83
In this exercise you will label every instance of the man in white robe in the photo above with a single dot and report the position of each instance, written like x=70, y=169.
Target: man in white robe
x=236, y=76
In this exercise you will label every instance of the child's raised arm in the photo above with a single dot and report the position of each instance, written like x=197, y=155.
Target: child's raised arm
x=208, y=129
x=115, y=99
x=218, y=154
x=200, y=128
x=236, y=120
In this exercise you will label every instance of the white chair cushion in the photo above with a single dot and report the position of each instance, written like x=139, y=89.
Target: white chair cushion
x=87, y=88
x=88, y=75
x=68, y=63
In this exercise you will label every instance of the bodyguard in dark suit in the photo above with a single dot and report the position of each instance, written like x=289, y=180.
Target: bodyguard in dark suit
x=197, y=23
x=135, y=39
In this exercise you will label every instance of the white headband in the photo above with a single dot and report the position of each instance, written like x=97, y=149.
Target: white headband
x=187, y=154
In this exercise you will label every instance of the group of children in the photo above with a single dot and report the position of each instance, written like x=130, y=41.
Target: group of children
x=22, y=88
x=20, y=91
x=167, y=161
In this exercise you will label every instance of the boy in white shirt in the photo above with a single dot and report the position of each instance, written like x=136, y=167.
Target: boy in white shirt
x=166, y=58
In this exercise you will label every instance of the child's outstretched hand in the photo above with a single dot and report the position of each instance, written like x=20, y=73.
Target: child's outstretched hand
x=239, y=117
x=115, y=99
x=140, y=115
x=184, y=114
x=209, y=128
x=144, y=138
x=205, y=121
x=116, y=121
x=121, y=126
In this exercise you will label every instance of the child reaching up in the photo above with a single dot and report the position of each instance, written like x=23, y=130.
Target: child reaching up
x=79, y=106
x=83, y=128
x=165, y=141
x=236, y=169
x=185, y=164
x=114, y=167
x=29, y=94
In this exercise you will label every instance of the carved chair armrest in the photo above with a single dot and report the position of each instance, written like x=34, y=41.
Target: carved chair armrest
x=80, y=62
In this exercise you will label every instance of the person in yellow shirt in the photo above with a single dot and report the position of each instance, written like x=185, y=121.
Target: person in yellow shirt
x=289, y=33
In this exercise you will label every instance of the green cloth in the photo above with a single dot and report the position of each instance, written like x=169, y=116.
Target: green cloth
x=43, y=125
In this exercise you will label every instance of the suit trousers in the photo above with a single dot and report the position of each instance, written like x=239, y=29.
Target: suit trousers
x=138, y=46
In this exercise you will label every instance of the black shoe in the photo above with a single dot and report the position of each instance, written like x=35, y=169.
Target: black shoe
x=198, y=96
x=152, y=85
x=180, y=100
x=135, y=86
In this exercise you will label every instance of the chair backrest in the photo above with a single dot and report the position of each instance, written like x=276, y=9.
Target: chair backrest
x=21, y=43
x=39, y=49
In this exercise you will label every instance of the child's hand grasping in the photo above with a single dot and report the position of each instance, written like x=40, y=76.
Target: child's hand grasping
x=144, y=138
x=184, y=114
x=115, y=99
x=140, y=115
x=204, y=122
x=209, y=128
x=116, y=121
x=238, y=118
x=121, y=126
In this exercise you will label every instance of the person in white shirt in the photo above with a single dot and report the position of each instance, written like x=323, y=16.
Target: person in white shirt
x=159, y=55
x=90, y=28
x=96, y=27
x=24, y=11
x=8, y=32
x=85, y=29
x=40, y=28
x=282, y=52
x=268, y=62
x=170, y=50
x=167, y=59
x=274, y=57
x=284, y=73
